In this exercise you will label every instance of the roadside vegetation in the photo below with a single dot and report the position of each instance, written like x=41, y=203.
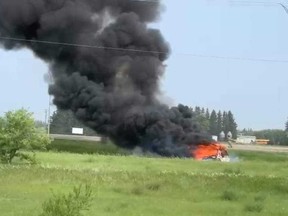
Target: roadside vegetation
x=133, y=185
x=18, y=133
x=85, y=147
x=74, y=178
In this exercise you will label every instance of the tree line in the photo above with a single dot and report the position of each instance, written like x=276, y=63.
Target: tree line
x=62, y=122
x=214, y=122
x=275, y=136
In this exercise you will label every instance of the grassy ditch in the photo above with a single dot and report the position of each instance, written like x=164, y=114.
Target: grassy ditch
x=129, y=185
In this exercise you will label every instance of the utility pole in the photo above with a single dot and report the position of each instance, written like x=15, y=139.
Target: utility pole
x=46, y=115
x=50, y=81
x=48, y=122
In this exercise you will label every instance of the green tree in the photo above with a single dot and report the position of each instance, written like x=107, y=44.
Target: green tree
x=41, y=124
x=197, y=111
x=203, y=111
x=286, y=126
x=213, y=128
x=229, y=124
x=276, y=137
x=247, y=132
x=225, y=122
x=207, y=114
x=63, y=121
x=200, y=118
x=232, y=126
x=219, y=122
x=18, y=132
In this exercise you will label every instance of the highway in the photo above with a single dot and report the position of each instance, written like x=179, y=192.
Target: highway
x=261, y=148
x=243, y=147
x=76, y=137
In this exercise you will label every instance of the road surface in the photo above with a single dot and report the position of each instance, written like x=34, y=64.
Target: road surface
x=75, y=137
x=247, y=147
x=261, y=148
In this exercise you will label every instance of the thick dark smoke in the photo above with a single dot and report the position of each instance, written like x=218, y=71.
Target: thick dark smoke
x=113, y=89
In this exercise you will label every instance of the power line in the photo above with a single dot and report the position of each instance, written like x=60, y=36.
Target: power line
x=143, y=51
x=239, y=58
x=79, y=45
x=238, y=1
x=259, y=3
x=254, y=2
x=244, y=2
x=149, y=1
x=285, y=8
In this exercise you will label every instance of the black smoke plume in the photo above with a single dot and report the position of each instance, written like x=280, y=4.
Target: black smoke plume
x=111, y=83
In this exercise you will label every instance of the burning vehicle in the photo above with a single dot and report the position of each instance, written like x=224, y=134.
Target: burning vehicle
x=210, y=151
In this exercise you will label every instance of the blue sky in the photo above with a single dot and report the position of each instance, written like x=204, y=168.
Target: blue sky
x=254, y=91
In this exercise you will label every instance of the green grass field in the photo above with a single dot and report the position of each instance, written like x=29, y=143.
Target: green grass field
x=128, y=185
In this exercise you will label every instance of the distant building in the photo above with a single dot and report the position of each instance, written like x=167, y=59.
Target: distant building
x=246, y=139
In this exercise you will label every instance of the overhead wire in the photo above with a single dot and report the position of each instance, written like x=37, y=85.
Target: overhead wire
x=55, y=43
x=142, y=51
x=240, y=1
x=268, y=3
x=253, y=2
x=259, y=3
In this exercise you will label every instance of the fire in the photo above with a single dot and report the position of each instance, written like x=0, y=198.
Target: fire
x=209, y=151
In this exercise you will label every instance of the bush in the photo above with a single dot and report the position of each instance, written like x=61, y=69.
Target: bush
x=254, y=207
x=68, y=205
x=18, y=132
x=229, y=195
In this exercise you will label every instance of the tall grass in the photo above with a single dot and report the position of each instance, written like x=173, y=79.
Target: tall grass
x=129, y=192
x=131, y=185
x=85, y=147
x=72, y=204
x=259, y=156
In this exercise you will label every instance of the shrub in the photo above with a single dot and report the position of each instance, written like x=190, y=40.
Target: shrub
x=18, y=132
x=71, y=204
x=254, y=207
x=137, y=191
x=153, y=186
x=229, y=195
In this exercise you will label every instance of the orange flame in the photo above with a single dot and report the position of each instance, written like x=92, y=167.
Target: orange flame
x=208, y=151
